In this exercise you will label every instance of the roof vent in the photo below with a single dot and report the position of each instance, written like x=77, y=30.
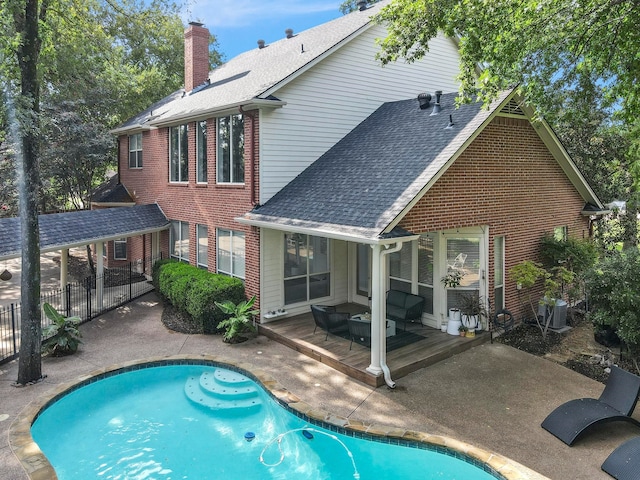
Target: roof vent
x=261, y=44
x=289, y=32
x=437, y=108
x=423, y=100
x=362, y=5
x=451, y=124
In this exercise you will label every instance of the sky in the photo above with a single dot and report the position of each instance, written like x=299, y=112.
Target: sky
x=239, y=24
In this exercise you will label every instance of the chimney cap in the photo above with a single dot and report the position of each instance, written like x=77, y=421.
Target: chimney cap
x=261, y=43
x=362, y=5
x=289, y=32
x=196, y=24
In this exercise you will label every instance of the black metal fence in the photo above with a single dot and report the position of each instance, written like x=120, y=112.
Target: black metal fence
x=86, y=299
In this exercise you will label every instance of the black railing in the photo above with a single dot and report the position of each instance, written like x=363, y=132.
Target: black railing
x=86, y=299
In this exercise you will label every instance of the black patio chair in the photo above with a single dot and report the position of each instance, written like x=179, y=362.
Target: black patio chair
x=329, y=320
x=360, y=332
x=624, y=461
x=576, y=417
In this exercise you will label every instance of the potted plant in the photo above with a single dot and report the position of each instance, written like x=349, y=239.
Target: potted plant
x=240, y=321
x=462, y=329
x=62, y=337
x=473, y=311
x=452, y=279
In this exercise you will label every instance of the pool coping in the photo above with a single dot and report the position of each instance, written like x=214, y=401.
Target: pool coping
x=37, y=466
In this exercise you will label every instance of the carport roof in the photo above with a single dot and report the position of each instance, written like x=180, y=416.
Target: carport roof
x=71, y=229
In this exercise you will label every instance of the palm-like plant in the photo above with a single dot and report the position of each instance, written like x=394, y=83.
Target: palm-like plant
x=240, y=320
x=62, y=337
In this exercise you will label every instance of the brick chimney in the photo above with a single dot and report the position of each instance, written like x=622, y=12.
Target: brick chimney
x=196, y=55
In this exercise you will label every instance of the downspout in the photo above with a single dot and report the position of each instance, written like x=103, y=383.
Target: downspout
x=383, y=308
x=252, y=156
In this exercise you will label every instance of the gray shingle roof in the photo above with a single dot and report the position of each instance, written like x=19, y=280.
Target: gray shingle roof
x=252, y=74
x=63, y=230
x=364, y=182
x=111, y=191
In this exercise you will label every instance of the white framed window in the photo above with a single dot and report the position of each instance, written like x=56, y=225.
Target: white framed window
x=135, y=150
x=307, y=273
x=231, y=253
x=498, y=273
x=230, y=149
x=425, y=271
x=179, y=240
x=201, y=151
x=120, y=249
x=179, y=154
x=560, y=233
x=202, y=232
x=400, y=267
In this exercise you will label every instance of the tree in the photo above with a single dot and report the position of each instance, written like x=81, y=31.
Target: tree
x=27, y=16
x=349, y=6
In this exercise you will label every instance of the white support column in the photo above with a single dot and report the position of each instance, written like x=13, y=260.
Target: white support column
x=377, y=292
x=64, y=273
x=99, y=275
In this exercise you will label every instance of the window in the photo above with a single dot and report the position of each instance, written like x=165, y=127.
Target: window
x=425, y=271
x=135, y=150
x=120, y=249
x=498, y=276
x=231, y=253
x=400, y=263
x=179, y=240
x=203, y=245
x=560, y=233
x=178, y=154
x=306, y=268
x=201, y=151
x=230, y=156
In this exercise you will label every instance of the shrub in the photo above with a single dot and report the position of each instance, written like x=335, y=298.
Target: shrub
x=62, y=337
x=194, y=291
x=614, y=295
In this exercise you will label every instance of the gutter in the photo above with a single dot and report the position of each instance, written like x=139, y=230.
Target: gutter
x=383, y=338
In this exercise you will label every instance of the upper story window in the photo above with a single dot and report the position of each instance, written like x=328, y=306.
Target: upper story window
x=178, y=154
x=201, y=151
x=135, y=150
x=230, y=155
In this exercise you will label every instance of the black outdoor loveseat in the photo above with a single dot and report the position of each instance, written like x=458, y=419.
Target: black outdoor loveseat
x=404, y=307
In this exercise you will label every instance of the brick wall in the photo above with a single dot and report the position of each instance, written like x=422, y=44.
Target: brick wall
x=211, y=204
x=507, y=180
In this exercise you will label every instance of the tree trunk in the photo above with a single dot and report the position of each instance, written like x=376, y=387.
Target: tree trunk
x=26, y=23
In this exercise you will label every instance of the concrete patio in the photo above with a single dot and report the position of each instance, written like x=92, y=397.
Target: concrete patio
x=492, y=396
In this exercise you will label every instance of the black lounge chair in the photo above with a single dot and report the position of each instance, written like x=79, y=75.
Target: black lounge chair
x=329, y=320
x=624, y=461
x=617, y=402
x=360, y=332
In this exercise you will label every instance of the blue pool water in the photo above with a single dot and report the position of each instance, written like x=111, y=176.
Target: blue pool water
x=190, y=422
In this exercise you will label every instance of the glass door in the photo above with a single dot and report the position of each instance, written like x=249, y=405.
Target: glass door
x=463, y=255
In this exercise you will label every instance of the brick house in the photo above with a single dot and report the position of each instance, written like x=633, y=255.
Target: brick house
x=302, y=168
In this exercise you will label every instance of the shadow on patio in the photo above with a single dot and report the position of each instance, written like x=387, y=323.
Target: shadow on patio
x=297, y=333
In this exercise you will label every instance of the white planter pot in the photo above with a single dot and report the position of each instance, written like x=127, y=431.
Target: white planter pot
x=443, y=327
x=470, y=321
x=454, y=314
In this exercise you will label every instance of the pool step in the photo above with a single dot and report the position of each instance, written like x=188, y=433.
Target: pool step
x=223, y=390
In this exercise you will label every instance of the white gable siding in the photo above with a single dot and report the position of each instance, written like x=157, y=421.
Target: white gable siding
x=335, y=95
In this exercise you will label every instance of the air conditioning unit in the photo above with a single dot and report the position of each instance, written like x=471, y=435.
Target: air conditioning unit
x=559, y=319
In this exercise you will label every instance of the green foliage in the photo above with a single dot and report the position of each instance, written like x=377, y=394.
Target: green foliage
x=194, y=291
x=349, y=6
x=62, y=337
x=240, y=320
x=614, y=295
x=453, y=278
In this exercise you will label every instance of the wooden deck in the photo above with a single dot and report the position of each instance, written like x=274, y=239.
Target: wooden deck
x=297, y=333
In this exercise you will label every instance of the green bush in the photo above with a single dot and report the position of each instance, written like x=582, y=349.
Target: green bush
x=194, y=291
x=614, y=295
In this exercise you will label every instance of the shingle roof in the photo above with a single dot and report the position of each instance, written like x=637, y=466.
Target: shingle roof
x=63, y=230
x=252, y=74
x=364, y=182
x=112, y=191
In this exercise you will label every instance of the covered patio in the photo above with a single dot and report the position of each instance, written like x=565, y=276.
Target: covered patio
x=297, y=333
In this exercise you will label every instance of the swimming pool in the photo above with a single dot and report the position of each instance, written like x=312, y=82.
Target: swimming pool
x=201, y=420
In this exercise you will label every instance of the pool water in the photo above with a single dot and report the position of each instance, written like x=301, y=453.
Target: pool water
x=194, y=422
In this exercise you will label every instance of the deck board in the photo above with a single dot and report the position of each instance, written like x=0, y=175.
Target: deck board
x=297, y=333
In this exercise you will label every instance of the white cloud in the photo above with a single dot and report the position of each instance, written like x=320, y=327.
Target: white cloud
x=233, y=13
